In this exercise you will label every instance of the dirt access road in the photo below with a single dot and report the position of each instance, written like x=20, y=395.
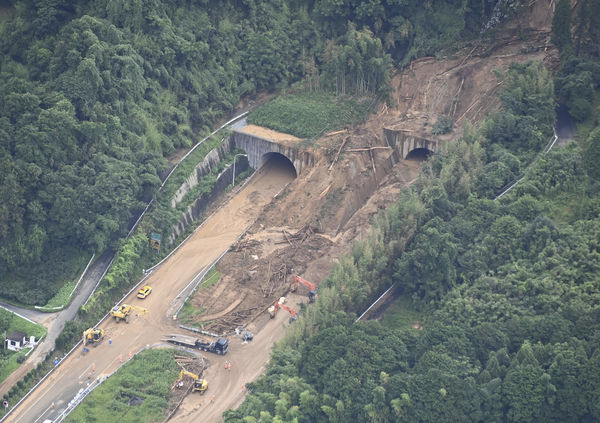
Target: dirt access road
x=207, y=243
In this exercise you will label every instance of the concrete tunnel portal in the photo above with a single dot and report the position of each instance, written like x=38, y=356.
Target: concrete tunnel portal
x=279, y=161
x=282, y=152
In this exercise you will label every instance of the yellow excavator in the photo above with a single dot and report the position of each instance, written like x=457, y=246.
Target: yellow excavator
x=200, y=385
x=92, y=336
x=123, y=311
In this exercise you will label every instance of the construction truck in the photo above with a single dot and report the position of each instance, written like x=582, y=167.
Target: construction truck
x=92, y=336
x=200, y=385
x=312, y=293
x=123, y=312
x=220, y=346
x=279, y=304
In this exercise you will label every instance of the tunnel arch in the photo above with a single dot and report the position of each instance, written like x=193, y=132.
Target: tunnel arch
x=260, y=149
x=419, y=154
x=282, y=159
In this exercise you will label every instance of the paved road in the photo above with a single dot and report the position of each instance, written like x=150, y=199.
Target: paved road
x=204, y=246
x=55, y=322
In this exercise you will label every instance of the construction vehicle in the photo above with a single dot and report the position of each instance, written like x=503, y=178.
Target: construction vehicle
x=312, y=293
x=200, y=385
x=220, y=346
x=246, y=335
x=123, y=312
x=279, y=304
x=92, y=336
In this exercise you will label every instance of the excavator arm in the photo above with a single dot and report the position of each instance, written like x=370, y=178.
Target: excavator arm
x=200, y=385
x=277, y=305
x=123, y=311
x=312, y=293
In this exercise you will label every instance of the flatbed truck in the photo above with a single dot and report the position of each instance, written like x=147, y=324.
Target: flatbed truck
x=220, y=346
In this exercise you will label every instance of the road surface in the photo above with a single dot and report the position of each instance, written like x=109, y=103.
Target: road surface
x=206, y=244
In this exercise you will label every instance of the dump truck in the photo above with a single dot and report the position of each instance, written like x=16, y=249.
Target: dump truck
x=220, y=346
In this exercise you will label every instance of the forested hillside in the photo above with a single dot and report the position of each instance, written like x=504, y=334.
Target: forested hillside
x=507, y=288
x=510, y=286
x=96, y=94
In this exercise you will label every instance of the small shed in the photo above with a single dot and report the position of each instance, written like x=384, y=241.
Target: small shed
x=15, y=340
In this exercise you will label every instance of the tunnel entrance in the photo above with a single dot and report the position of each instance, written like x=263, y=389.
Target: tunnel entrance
x=279, y=163
x=419, y=154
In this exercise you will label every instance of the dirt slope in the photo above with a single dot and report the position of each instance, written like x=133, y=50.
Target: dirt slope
x=304, y=230
x=320, y=214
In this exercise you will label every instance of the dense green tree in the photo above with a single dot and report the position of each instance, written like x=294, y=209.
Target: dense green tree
x=561, y=25
x=592, y=154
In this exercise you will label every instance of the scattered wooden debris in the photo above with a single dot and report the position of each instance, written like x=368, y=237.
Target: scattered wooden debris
x=354, y=150
x=325, y=191
x=336, y=132
x=337, y=156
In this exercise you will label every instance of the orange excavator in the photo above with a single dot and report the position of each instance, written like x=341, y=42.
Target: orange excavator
x=312, y=293
x=275, y=308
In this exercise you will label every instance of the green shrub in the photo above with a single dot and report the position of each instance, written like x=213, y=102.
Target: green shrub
x=442, y=126
x=307, y=115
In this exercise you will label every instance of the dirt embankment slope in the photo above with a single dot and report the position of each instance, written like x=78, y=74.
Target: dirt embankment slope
x=318, y=216
x=310, y=223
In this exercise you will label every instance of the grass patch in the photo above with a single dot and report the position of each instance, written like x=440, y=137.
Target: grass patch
x=185, y=168
x=403, y=315
x=137, y=393
x=309, y=114
x=211, y=278
x=9, y=363
x=62, y=297
x=37, y=283
x=10, y=322
x=188, y=313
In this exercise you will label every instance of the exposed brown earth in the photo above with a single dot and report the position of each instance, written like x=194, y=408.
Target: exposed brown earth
x=311, y=222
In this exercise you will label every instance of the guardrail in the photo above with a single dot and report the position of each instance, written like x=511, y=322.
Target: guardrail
x=504, y=190
x=43, y=308
x=546, y=150
x=9, y=412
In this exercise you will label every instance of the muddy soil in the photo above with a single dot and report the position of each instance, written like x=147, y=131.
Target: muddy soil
x=299, y=226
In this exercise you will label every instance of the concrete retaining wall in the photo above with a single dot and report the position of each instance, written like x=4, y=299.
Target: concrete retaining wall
x=211, y=160
x=224, y=179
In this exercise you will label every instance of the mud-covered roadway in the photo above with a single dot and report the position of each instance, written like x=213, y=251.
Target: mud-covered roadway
x=209, y=241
